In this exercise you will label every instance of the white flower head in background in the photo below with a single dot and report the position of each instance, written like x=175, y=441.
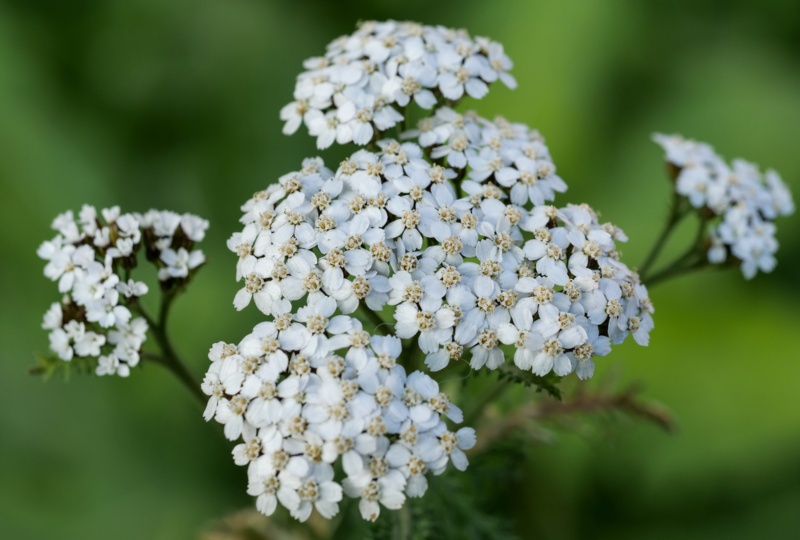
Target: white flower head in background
x=744, y=202
x=91, y=258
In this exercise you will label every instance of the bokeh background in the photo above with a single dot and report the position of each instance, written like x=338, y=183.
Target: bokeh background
x=174, y=104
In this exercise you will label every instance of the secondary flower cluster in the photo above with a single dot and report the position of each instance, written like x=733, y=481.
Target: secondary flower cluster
x=746, y=200
x=306, y=390
x=170, y=240
x=91, y=258
x=498, y=153
x=356, y=89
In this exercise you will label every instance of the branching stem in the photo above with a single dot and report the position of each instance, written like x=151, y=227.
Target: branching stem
x=169, y=358
x=677, y=270
x=676, y=214
x=692, y=259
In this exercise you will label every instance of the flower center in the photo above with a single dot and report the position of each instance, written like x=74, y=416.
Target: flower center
x=413, y=292
x=410, y=218
x=447, y=214
x=584, y=352
x=425, y=320
x=487, y=339
x=317, y=324
x=614, y=308
x=253, y=283
x=309, y=491
x=452, y=245
x=552, y=347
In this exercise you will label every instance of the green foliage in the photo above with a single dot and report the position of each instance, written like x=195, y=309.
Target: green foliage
x=456, y=508
x=48, y=366
x=547, y=384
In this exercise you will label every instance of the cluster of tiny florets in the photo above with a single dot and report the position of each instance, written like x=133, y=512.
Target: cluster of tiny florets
x=365, y=81
x=491, y=155
x=91, y=258
x=449, y=230
x=310, y=389
x=464, y=274
x=746, y=200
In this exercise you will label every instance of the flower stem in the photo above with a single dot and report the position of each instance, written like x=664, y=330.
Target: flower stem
x=676, y=270
x=403, y=523
x=169, y=358
x=675, y=216
x=681, y=265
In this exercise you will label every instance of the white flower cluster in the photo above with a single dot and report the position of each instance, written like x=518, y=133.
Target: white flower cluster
x=465, y=274
x=747, y=201
x=91, y=258
x=308, y=389
x=451, y=233
x=509, y=155
x=356, y=89
x=170, y=239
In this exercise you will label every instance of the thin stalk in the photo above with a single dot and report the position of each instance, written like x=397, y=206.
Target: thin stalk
x=403, y=524
x=457, y=183
x=675, y=217
x=675, y=271
x=679, y=266
x=169, y=358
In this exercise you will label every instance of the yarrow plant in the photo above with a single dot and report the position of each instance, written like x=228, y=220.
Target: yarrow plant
x=434, y=247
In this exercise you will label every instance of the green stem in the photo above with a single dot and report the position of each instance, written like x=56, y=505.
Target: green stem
x=169, y=358
x=402, y=126
x=403, y=525
x=675, y=216
x=679, y=266
x=457, y=183
x=676, y=270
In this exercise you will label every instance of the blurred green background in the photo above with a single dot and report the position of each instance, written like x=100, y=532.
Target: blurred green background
x=174, y=104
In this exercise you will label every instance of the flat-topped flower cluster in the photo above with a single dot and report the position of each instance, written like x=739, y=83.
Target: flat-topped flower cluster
x=465, y=274
x=91, y=258
x=446, y=227
x=746, y=200
x=310, y=388
x=365, y=81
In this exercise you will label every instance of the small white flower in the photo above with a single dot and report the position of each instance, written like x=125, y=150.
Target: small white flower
x=194, y=227
x=132, y=288
x=110, y=365
x=179, y=263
